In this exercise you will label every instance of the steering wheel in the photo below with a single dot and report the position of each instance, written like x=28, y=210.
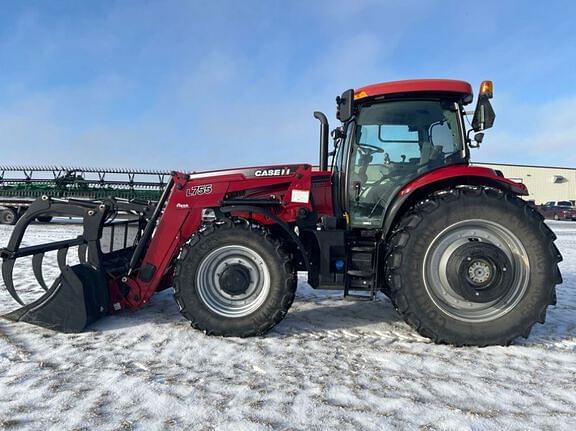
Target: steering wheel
x=368, y=149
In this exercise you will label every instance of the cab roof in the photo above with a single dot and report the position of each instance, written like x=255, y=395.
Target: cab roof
x=461, y=88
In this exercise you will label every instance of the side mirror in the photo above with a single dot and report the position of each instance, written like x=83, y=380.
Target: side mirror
x=484, y=114
x=478, y=138
x=476, y=141
x=344, y=105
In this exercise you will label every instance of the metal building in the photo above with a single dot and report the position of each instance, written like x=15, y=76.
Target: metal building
x=545, y=183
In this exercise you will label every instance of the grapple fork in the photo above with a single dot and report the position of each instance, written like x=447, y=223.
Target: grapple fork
x=80, y=294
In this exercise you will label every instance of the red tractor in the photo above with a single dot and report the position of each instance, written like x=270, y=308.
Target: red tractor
x=400, y=210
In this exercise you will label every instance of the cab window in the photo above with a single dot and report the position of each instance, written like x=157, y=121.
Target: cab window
x=393, y=143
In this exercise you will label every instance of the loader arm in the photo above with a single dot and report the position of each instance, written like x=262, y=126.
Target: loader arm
x=265, y=199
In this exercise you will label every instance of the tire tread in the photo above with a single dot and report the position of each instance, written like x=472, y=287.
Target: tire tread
x=401, y=235
x=204, y=235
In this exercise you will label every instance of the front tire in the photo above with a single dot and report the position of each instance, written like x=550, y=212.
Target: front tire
x=234, y=280
x=473, y=266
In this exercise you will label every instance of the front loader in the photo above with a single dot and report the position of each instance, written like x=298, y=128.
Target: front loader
x=400, y=210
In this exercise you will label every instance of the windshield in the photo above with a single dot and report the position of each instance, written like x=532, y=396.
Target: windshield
x=411, y=127
x=393, y=143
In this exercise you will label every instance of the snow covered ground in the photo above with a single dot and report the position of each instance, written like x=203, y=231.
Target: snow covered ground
x=331, y=364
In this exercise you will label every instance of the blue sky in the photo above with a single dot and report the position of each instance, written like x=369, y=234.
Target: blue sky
x=210, y=84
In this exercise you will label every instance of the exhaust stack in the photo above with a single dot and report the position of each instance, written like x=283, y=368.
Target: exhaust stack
x=323, y=162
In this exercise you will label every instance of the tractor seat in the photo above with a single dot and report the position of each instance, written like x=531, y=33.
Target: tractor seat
x=384, y=191
x=429, y=160
x=433, y=159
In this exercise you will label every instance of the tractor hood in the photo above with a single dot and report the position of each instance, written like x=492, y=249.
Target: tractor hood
x=268, y=171
x=261, y=182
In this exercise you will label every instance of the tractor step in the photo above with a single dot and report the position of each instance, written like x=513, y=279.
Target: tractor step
x=362, y=249
x=360, y=297
x=361, y=276
x=359, y=273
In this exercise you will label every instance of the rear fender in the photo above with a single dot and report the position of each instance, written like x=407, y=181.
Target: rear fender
x=446, y=177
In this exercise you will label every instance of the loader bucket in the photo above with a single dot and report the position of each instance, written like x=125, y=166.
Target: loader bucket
x=80, y=294
x=78, y=297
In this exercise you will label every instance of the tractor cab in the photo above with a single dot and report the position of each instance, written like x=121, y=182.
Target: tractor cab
x=391, y=134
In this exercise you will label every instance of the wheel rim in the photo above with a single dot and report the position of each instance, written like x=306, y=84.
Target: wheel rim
x=218, y=271
x=476, y=270
x=8, y=217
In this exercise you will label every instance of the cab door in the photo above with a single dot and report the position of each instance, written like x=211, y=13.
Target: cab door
x=392, y=144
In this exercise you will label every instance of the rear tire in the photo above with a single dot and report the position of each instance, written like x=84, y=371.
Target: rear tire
x=8, y=216
x=234, y=280
x=473, y=266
